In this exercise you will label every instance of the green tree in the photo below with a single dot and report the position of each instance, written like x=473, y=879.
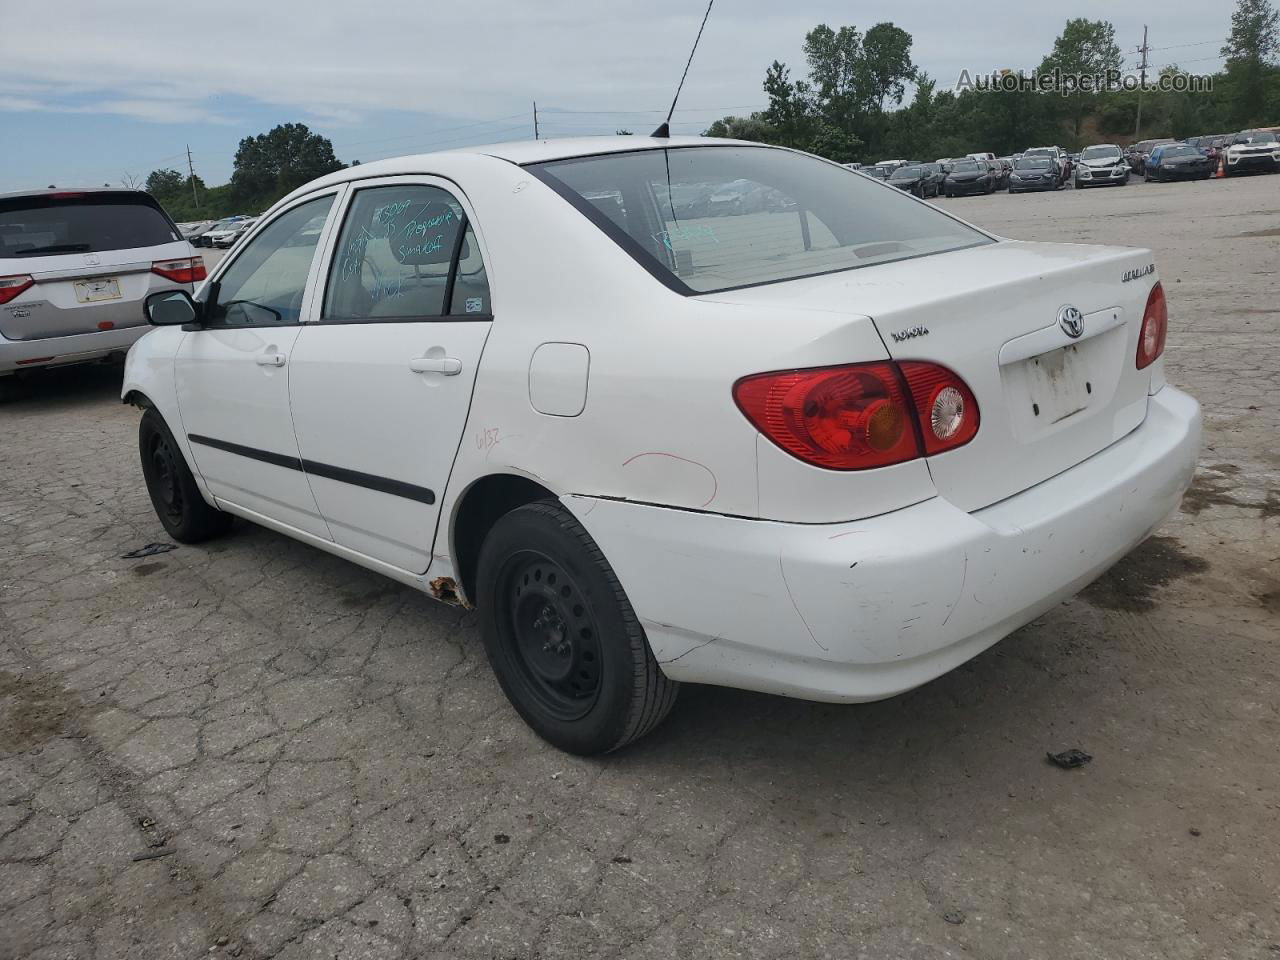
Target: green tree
x=886, y=64
x=271, y=164
x=1249, y=52
x=1085, y=48
x=742, y=128
x=164, y=183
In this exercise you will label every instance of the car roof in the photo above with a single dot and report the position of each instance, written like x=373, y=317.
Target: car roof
x=46, y=192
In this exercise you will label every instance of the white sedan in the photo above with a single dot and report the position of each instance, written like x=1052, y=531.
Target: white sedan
x=830, y=446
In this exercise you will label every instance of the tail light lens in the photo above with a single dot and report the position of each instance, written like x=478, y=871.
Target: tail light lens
x=944, y=405
x=1155, y=327
x=11, y=287
x=859, y=416
x=186, y=270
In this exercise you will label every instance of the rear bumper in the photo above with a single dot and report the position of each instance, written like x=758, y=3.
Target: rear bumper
x=60, y=351
x=1026, y=186
x=964, y=187
x=868, y=609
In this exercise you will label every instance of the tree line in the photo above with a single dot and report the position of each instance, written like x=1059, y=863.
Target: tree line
x=267, y=167
x=849, y=107
x=849, y=104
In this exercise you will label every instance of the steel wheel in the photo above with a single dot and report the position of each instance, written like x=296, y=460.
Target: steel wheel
x=167, y=487
x=554, y=637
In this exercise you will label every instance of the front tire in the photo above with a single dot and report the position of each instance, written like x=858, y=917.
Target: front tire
x=177, y=501
x=561, y=636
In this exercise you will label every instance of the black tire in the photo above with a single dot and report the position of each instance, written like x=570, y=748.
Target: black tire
x=561, y=636
x=177, y=501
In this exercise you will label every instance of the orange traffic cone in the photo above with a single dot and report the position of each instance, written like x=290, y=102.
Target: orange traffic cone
x=1222, y=163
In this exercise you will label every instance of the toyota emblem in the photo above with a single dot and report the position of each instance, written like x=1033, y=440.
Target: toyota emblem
x=1071, y=320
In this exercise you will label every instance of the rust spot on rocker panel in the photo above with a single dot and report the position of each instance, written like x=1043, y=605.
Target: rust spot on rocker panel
x=445, y=589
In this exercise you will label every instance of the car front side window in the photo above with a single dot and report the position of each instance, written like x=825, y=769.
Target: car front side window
x=265, y=284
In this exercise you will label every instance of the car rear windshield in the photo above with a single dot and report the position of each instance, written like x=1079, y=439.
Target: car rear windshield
x=1180, y=152
x=703, y=219
x=1032, y=163
x=82, y=223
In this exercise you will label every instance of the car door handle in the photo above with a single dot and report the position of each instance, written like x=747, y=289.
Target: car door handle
x=270, y=360
x=449, y=366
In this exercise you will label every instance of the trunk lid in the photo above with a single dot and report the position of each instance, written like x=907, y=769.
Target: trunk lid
x=991, y=314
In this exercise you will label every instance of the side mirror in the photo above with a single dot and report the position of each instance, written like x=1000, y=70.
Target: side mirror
x=171, y=308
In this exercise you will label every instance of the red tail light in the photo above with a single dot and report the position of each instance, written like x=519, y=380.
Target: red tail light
x=11, y=287
x=1155, y=327
x=186, y=270
x=945, y=406
x=857, y=416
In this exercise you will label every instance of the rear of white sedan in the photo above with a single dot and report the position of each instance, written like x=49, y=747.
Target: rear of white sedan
x=826, y=441
x=953, y=432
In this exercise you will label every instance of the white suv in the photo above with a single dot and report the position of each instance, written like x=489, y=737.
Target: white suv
x=829, y=448
x=75, y=268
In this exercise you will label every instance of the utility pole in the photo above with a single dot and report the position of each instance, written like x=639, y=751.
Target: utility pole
x=535, y=119
x=1142, y=67
x=192, y=170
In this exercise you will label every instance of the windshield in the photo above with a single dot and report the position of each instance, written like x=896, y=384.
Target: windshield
x=908, y=173
x=80, y=223
x=1100, y=153
x=1031, y=163
x=1257, y=136
x=965, y=166
x=796, y=216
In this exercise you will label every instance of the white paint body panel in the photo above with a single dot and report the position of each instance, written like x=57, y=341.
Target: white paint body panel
x=737, y=556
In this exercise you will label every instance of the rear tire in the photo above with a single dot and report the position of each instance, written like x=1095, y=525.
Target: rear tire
x=562, y=638
x=179, y=506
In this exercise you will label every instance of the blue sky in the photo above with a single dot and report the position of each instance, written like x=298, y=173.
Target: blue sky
x=122, y=88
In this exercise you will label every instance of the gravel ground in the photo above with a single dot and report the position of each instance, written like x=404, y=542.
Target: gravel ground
x=253, y=749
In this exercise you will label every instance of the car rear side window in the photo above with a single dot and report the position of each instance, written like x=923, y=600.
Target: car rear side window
x=406, y=252
x=703, y=219
x=47, y=224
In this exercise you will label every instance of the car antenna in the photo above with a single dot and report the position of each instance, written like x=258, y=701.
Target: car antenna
x=664, y=128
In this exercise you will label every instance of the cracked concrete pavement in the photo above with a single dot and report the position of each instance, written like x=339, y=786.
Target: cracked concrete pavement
x=313, y=761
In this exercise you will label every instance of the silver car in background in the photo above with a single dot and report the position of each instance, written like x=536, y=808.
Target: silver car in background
x=75, y=267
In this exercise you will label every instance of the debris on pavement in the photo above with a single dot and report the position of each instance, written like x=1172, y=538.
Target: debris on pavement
x=150, y=550
x=1069, y=759
x=954, y=916
x=155, y=854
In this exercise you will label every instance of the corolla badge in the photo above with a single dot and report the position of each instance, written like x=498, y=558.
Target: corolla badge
x=1071, y=320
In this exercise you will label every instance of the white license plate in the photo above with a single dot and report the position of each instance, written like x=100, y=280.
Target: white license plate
x=91, y=291
x=1058, y=383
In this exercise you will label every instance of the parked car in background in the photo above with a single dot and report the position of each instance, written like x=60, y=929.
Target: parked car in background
x=190, y=231
x=1054, y=154
x=226, y=235
x=969, y=176
x=1211, y=146
x=924, y=180
x=1177, y=161
x=877, y=171
x=1033, y=174
x=1137, y=154
x=1253, y=151
x=981, y=156
x=205, y=239
x=75, y=268
x=1100, y=165
x=979, y=426
x=1002, y=168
